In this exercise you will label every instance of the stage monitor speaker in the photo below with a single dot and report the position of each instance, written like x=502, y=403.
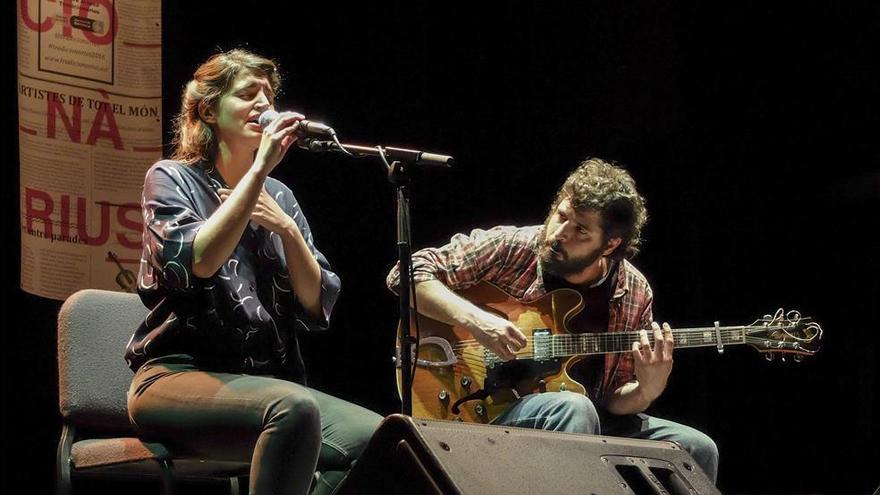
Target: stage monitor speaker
x=412, y=456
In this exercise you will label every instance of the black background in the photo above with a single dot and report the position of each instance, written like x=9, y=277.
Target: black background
x=749, y=128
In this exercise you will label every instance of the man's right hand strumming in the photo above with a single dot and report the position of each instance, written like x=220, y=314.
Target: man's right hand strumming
x=498, y=335
x=493, y=332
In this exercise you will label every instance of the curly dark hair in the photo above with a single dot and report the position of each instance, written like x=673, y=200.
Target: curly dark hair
x=605, y=187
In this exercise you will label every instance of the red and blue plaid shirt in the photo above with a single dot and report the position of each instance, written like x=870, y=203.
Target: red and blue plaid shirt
x=507, y=257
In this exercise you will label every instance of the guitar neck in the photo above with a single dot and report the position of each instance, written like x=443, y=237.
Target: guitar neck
x=564, y=345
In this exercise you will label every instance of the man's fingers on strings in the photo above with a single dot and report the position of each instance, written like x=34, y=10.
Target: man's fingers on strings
x=668, y=340
x=517, y=338
x=659, y=344
x=645, y=344
x=504, y=352
x=637, y=352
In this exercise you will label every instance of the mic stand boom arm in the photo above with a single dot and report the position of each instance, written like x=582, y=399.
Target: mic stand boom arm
x=387, y=153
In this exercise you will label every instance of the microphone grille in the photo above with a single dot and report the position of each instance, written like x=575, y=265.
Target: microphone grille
x=267, y=117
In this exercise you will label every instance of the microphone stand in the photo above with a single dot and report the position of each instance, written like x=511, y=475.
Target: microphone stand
x=398, y=175
x=401, y=162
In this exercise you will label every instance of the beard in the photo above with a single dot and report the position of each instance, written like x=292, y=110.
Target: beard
x=555, y=261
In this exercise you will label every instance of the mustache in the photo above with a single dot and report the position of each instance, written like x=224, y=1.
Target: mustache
x=554, y=245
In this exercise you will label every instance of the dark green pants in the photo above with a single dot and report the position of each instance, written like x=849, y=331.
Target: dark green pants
x=285, y=430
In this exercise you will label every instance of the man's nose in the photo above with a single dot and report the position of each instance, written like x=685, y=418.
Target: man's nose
x=561, y=233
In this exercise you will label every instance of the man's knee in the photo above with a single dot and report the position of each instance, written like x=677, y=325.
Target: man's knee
x=573, y=413
x=703, y=449
x=701, y=443
x=576, y=403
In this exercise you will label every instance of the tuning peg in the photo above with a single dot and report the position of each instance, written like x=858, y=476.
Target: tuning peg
x=782, y=358
x=769, y=357
x=798, y=358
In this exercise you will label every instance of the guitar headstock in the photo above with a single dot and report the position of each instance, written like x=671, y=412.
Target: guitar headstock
x=785, y=334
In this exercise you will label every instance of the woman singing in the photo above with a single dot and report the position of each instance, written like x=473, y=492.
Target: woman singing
x=230, y=274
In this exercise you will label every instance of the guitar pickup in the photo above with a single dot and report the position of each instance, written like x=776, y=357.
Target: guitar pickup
x=542, y=344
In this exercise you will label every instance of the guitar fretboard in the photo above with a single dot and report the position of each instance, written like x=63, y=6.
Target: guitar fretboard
x=601, y=343
x=548, y=346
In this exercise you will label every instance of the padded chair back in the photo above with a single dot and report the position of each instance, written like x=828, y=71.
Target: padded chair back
x=94, y=327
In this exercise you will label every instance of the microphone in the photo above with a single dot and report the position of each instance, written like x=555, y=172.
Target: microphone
x=306, y=128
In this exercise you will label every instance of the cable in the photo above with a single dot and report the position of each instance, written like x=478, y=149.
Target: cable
x=384, y=161
x=415, y=305
x=336, y=140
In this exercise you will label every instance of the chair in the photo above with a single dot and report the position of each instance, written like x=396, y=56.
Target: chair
x=97, y=439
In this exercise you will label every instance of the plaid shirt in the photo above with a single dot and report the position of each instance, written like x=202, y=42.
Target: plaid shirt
x=507, y=257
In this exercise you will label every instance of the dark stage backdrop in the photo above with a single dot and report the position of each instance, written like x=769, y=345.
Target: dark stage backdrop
x=750, y=130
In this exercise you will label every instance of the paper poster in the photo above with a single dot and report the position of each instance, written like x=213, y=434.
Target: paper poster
x=90, y=125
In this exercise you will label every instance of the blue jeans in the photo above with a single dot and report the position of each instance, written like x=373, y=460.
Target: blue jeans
x=576, y=413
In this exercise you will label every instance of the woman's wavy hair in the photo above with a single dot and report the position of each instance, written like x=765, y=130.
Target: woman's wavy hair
x=194, y=139
x=597, y=185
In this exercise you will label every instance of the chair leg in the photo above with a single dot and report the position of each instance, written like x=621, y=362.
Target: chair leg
x=62, y=461
x=166, y=477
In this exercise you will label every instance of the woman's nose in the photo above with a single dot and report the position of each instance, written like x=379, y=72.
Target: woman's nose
x=263, y=102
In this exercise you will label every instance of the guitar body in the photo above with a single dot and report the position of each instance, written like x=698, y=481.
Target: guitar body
x=451, y=365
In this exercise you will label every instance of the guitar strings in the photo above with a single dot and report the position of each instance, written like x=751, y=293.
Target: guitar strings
x=475, y=355
x=477, y=362
x=577, y=340
x=574, y=343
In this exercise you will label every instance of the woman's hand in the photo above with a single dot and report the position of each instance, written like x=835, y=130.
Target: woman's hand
x=267, y=213
x=278, y=136
x=302, y=266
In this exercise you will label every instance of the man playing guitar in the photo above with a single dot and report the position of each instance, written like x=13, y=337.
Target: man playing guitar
x=593, y=228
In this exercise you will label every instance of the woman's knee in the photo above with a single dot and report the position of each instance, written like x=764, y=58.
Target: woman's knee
x=293, y=411
x=364, y=425
x=345, y=437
